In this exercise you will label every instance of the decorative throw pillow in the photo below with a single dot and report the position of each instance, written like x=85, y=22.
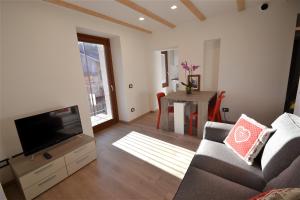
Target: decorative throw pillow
x=247, y=138
x=279, y=194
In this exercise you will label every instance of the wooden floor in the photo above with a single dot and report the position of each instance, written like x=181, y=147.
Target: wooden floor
x=116, y=174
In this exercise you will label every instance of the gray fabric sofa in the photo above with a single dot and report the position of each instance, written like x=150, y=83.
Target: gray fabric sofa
x=216, y=173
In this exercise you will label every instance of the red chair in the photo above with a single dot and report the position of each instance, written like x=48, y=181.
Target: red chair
x=170, y=108
x=213, y=114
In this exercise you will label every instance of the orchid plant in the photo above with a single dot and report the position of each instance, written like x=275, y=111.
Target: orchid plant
x=189, y=69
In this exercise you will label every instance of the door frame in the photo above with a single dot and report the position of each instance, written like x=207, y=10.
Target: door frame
x=110, y=75
x=166, y=84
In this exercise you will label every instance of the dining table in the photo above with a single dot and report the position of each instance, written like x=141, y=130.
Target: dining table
x=202, y=99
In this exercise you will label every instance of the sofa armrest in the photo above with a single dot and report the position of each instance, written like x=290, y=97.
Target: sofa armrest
x=216, y=131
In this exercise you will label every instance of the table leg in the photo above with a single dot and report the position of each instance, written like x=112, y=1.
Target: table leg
x=164, y=118
x=202, y=117
x=179, y=114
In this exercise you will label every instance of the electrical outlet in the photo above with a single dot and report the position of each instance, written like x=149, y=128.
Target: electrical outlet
x=132, y=109
x=130, y=85
x=225, y=109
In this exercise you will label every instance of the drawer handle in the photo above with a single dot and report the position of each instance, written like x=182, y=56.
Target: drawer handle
x=42, y=169
x=47, y=180
x=78, y=150
x=82, y=159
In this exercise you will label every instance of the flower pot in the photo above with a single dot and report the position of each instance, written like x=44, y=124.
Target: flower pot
x=188, y=90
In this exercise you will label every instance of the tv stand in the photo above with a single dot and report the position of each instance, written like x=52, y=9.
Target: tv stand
x=39, y=174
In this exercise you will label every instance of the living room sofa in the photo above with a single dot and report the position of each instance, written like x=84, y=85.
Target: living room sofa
x=216, y=172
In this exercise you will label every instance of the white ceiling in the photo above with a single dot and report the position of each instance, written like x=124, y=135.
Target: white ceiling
x=210, y=8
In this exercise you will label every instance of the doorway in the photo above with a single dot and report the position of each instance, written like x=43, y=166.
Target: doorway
x=292, y=100
x=96, y=61
x=169, y=70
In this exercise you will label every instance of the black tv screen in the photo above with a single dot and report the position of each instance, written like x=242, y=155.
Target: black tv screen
x=43, y=130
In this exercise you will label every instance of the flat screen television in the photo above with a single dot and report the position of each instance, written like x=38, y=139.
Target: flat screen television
x=44, y=130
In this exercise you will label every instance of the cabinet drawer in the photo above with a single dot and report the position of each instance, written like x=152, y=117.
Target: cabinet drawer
x=74, y=155
x=42, y=172
x=45, y=183
x=81, y=162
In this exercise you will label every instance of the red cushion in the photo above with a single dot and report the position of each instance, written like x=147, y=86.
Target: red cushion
x=247, y=138
x=279, y=194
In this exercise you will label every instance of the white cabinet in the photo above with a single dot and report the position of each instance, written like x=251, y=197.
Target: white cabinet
x=72, y=156
x=80, y=157
x=36, y=174
x=45, y=183
x=42, y=172
x=81, y=162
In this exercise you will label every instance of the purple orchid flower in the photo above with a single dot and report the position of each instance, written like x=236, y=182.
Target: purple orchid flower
x=185, y=66
x=194, y=67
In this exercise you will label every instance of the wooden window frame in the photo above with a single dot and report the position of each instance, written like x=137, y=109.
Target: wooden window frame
x=110, y=73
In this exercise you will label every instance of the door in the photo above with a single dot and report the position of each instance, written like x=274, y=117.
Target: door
x=164, y=64
x=297, y=104
x=96, y=61
x=291, y=99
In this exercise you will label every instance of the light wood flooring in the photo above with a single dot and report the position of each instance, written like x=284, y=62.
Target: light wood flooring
x=116, y=174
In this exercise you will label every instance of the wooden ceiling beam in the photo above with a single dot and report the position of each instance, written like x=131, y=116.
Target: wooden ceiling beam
x=189, y=4
x=146, y=12
x=96, y=14
x=241, y=5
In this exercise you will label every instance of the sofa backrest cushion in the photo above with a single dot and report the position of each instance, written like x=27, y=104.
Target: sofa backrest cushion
x=283, y=147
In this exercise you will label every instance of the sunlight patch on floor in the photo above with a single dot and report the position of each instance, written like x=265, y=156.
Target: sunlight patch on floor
x=168, y=157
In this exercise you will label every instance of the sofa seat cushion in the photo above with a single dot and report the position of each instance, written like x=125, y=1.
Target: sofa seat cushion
x=199, y=184
x=216, y=158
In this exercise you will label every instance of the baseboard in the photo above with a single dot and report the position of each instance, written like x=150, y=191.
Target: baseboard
x=137, y=118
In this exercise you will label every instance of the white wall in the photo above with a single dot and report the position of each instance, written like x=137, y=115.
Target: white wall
x=117, y=58
x=255, y=55
x=173, y=68
x=211, y=61
x=1, y=46
x=156, y=77
x=5, y=173
x=42, y=68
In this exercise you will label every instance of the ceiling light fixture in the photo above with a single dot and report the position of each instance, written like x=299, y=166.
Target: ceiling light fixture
x=173, y=7
x=141, y=18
